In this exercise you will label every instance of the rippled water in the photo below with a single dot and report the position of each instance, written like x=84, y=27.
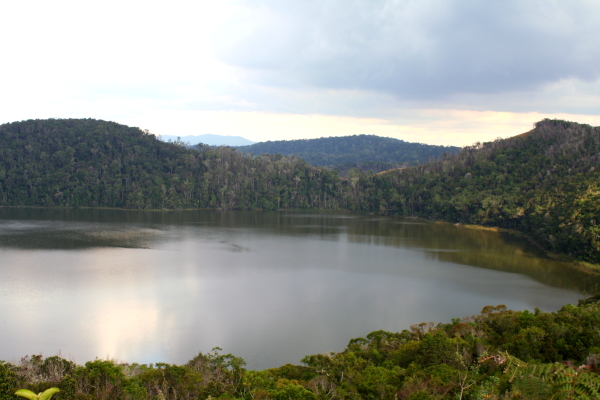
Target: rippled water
x=270, y=287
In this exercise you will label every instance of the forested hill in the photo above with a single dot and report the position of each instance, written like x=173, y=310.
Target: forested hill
x=86, y=162
x=545, y=183
x=366, y=152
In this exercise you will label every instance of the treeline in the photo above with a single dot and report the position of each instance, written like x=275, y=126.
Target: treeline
x=368, y=153
x=545, y=183
x=499, y=354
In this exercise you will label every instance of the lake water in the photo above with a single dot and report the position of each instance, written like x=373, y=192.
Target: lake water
x=270, y=287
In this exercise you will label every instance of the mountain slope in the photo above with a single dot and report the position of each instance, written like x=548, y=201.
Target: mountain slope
x=545, y=183
x=86, y=162
x=368, y=152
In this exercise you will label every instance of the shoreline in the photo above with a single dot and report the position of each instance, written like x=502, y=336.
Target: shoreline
x=589, y=268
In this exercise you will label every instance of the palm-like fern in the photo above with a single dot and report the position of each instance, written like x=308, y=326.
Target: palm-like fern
x=548, y=381
x=45, y=395
x=558, y=381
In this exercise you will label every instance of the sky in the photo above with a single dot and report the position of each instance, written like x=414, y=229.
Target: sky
x=450, y=72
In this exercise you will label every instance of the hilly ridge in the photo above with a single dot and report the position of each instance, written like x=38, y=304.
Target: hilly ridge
x=364, y=152
x=93, y=163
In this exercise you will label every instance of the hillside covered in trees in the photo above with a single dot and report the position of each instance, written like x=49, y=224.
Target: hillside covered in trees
x=545, y=183
x=91, y=163
x=499, y=354
x=363, y=152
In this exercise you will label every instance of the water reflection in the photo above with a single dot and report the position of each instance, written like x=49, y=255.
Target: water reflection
x=268, y=286
x=81, y=229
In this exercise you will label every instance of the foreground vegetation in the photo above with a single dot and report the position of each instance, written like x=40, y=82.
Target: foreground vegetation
x=499, y=354
x=545, y=183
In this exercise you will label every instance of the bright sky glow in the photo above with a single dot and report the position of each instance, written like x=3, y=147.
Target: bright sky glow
x=433, y=71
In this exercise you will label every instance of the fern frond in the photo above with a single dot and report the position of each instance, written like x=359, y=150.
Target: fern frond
x=532, y=388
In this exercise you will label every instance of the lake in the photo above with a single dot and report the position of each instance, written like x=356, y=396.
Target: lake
x=270, y=287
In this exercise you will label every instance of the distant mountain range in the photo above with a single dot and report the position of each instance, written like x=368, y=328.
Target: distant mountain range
x=361, y=152
x=209, y=139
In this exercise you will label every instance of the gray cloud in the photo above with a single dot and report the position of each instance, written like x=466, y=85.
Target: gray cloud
x=415, y=50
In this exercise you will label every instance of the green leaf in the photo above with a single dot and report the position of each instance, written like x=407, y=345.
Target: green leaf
x=49, y=393
x=27, y=394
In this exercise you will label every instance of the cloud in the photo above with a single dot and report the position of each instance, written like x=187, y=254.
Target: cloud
x=280, y=69
x=415, y=50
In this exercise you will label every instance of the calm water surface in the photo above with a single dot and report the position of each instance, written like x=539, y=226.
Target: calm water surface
x=270, y=287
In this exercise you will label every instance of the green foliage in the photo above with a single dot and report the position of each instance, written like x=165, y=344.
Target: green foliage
x=45, y=395
x=100, y=379
x=589, y=300
x=221, y=373
x=293, y=372
x=167, y=381
x=68, y=388
x=286, y=389
x=8, y=381
x=557, y=381
x=434, y=348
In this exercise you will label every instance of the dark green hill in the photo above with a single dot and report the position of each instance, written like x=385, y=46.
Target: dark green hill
x=86, y=162
x=545, y=183
x=366, y=152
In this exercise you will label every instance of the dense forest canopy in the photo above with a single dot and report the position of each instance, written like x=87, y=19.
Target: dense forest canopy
x=545, y=183
x=85, y=162
x=499, y=354
x=364, y=152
